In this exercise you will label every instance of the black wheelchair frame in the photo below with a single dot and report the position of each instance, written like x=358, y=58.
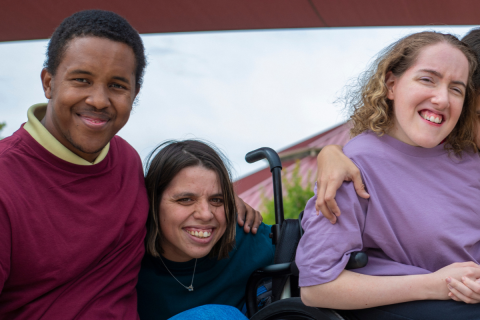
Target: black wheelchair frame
x=284, y=272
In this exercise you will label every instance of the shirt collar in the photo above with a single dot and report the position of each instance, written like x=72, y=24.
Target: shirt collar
x=38, y=132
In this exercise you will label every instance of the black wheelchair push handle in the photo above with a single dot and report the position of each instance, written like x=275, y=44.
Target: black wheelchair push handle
x=265, y=153
x=276, y=169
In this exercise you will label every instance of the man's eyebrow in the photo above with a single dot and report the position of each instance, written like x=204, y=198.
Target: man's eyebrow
x=122, y=79
x=438, y=74
x=80, y=71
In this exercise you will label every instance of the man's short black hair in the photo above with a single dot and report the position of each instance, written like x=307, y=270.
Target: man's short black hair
x=97, y=23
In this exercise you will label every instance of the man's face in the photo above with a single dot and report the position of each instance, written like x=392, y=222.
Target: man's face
x=91, y=94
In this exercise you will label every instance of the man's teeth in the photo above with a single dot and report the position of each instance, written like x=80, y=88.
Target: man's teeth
x=432, y=118
x=201, y=234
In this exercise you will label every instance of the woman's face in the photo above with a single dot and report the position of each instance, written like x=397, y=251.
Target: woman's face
x=428, y=97
x=192, y=214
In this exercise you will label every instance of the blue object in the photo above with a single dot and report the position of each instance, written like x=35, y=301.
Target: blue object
x=210, y=312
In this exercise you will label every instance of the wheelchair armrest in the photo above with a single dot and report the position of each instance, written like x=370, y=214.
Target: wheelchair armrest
x=357, y=260
x=273, y=270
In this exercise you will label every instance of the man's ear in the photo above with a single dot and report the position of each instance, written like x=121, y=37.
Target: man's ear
x=390, y=81
x=47, y=80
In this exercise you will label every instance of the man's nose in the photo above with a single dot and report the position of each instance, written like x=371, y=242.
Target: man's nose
x=98, y=97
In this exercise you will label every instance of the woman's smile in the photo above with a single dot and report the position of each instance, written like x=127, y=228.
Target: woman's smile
x=431, y=117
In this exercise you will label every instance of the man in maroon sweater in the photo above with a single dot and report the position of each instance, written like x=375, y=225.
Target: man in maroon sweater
x=73, y=204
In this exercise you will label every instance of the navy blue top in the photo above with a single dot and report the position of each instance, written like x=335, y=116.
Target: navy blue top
x=224, y=281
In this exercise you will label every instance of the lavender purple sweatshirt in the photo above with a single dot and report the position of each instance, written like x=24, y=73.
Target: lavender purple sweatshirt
x=423, y=213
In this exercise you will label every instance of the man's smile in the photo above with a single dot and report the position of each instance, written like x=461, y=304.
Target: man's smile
x=94, y=120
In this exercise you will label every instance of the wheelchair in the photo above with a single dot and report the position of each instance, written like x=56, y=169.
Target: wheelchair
x=285, y=299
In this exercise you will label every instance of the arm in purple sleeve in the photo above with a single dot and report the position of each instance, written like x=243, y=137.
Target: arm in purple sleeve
x=324, y=249
x=323, y=253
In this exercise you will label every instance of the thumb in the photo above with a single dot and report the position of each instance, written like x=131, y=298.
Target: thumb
x=359, y=186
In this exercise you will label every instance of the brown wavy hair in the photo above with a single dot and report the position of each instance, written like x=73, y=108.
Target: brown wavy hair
x=163, y=164
x=372, y=110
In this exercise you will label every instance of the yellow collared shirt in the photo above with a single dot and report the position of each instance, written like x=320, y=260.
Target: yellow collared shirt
x=38, y=132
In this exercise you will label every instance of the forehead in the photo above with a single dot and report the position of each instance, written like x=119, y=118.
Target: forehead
x=445, y=59
x=196, y=178
x=98, y=53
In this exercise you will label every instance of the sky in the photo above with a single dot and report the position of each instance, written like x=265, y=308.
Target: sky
x=239, y=90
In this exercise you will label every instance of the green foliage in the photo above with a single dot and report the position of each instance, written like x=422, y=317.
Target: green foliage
x=2, y=125
x=295, y=196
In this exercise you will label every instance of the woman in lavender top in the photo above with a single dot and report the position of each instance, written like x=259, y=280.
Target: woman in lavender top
x=414, y=120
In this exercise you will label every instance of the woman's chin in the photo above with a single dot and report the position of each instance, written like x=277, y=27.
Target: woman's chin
x=200, y=247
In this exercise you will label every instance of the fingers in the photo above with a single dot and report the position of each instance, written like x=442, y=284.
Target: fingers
x=330, y=193
x=358, y=184
x=453, y=297
x=257, y=222
x=241, y=211
x=320, y=204
x=247, y=217
x=472, y=285
x=464, y=291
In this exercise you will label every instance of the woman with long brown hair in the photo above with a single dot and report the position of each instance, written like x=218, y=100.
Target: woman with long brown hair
x=195, y=252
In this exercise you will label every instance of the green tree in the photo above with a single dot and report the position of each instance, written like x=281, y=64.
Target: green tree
x=2, y=125
x=295, y=196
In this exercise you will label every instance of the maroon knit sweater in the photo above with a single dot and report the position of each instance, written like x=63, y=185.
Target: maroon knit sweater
x=71, y=236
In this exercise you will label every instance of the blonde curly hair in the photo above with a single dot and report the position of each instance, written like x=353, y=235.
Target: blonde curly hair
x=372, y=110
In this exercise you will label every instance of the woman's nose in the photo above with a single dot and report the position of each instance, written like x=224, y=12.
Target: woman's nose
x=203, y=211
x=441, y=98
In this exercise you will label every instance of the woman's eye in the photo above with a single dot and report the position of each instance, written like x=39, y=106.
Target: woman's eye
x=184, y=200
x=458, y=90
x=426, y=80
x=217, y=201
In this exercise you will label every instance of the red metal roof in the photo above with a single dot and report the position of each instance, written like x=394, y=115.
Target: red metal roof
x=37, y=19
x=251, y=188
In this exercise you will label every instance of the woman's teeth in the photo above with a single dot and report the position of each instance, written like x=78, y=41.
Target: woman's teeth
x=432, y=118
x=200, y=234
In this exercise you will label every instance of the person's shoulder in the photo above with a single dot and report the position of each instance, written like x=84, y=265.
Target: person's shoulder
x=252, y=251
x=122, y=144
x=259, y=243
x=9, y=148
x=147, y=264
x=467, y=159
x=124, y=149
x=7, y=144
x=263, y=233
x=363, y=144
